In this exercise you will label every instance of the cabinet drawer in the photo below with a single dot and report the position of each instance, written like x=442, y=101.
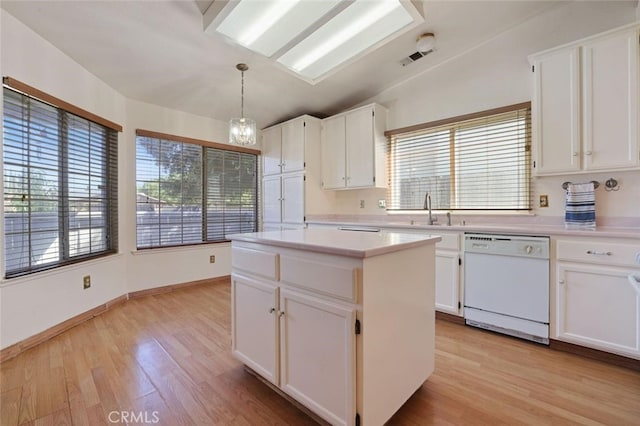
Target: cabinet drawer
x=598, y=252
x=320, y=276
x=256, y=262
x=448, y=242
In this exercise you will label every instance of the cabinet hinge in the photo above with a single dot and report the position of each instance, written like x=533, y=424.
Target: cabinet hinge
x=533, y=68
x=534, y=164
x=373, y=113
x=304, y=178
x=357, y=419
x=304, y=124
x=459, y=261
x=459, y=305
x=374, y=179
x=358, y=326
x=304, y=164
x=304, y=218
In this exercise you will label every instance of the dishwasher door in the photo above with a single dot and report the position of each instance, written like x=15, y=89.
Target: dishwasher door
x=508, y=285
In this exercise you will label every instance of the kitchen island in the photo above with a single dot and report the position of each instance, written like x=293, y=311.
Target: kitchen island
x=341, y=321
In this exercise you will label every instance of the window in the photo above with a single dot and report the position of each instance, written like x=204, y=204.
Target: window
x=476, y=162
x=60, y=185
x=191, y=192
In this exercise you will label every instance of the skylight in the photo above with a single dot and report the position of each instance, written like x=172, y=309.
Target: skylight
x=313, y=38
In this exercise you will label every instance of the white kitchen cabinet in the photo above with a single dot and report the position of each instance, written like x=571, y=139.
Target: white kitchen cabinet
x=285, y=148
x=336, y=317
x=596, y=305
x=354, y=149
x=271, y=150
x=330, y=386
x=448, y=273
x=254, y=306
x=283, y=197
x=585, y=105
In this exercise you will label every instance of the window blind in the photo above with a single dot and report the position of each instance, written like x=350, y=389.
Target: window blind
x=482, y=163
x=190, y=193
x=60, y=186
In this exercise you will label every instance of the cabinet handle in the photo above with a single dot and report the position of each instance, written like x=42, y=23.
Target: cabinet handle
x=272, y=310
x=599, y=253
x=575, y=154
x=281, y=314
x=284, y=165
x=560, y=281
x=588, y=152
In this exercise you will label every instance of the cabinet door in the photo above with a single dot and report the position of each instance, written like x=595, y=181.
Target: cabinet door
x=556, y=112
x=333, y=153
x=447, y=282
x=599, y=308
x=254, y=324
x=360, y=148
x=272, y=196
x=293, y=198
x=293, y=133
x=271, y=150
x=317, y=349
x=610, y=67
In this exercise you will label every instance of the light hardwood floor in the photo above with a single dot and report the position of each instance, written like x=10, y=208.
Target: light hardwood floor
x=168, y=357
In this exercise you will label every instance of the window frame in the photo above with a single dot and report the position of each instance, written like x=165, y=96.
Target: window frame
x=452, y=125
x=92, y=129
x=206, y=147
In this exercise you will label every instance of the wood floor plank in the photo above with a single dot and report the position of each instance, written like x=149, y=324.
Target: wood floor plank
x=10, y=406
x=169, y=355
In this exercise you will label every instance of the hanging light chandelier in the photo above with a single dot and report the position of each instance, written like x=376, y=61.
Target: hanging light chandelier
x=242, y=131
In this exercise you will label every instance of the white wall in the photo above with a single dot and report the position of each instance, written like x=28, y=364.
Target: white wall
x=34, y=303
x=497, y=74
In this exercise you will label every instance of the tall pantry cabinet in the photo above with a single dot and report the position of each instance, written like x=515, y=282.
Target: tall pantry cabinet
x=288, y=171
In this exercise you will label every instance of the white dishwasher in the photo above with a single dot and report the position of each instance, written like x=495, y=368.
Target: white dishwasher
x=506, y=284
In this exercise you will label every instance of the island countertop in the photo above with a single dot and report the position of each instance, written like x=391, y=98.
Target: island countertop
x=351, y=243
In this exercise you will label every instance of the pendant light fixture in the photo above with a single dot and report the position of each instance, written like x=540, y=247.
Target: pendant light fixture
x=242, y=131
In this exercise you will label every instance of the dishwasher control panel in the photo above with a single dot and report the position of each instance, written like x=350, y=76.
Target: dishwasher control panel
x=508, y=245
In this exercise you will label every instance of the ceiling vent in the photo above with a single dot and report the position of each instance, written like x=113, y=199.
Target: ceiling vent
x=414, y=57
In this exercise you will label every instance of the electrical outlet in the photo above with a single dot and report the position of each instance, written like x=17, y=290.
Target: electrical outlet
x=86, y=281
x=362, y=204
x=212, y=259
x=382, y=204
x=544, y=201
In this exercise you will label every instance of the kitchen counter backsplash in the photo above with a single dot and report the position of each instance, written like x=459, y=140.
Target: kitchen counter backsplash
x=623, y=227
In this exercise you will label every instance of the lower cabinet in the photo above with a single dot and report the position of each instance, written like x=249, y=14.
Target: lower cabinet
x=329, y=388
x=448, y=282
x=599, y=308
x=336, y=333
x=596, y=303
x=254, y=307
x=271, y=330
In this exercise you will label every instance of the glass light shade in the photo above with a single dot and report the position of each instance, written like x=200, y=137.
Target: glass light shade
x=242, y=131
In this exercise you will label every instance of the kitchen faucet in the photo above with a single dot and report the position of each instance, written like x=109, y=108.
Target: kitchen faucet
x=427, y=206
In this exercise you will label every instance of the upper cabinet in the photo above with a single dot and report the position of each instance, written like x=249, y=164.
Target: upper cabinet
x=585, y=105
x=283, y=147
x=353, y=149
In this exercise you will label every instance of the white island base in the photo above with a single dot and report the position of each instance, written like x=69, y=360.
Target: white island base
x=341, y=321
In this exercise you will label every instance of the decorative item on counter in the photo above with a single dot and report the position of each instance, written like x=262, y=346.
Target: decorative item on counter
x=611, y=185
x=580, y=210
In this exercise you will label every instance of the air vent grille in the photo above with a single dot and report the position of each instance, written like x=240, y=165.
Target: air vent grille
x=414, y=57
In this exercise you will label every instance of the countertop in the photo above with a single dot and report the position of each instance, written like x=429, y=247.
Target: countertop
x=506, y=228
x=359, y=244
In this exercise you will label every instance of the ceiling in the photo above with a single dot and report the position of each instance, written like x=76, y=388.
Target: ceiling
x=157, y=52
